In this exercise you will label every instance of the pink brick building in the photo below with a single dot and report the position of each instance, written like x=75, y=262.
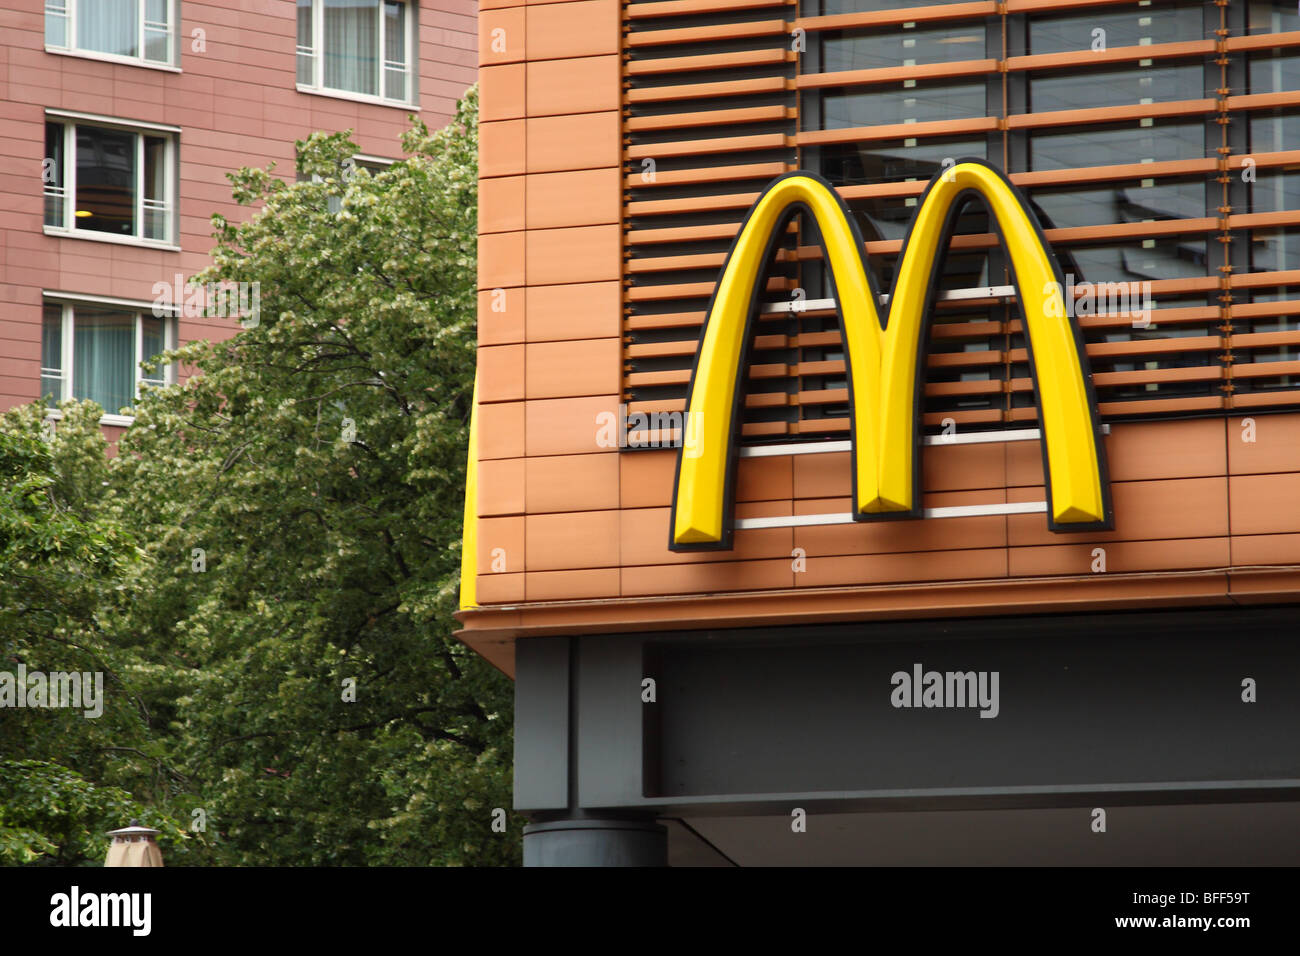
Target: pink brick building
x=118, y=122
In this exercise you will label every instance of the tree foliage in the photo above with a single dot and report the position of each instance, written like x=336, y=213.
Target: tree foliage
x=291, y=521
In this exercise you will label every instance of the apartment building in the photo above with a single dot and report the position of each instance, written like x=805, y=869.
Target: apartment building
x=118, y=122
x=1081, y=219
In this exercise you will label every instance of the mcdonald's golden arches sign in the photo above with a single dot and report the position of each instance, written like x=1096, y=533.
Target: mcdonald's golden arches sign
x=884, y=356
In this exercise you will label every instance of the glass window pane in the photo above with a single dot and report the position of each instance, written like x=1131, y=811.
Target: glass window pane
x=109, y=26
x=890, y=218
x=1274, y=250
x=1165, y=257
x=1273, y=16
x=395, y=33
x=105, y=180
x=829, y=7
x=1275, y=190
x=1135, y=26
x=1274, y=72
x=156, y=44
x=52, y=176
x=56, y=23
x=155, y=188
x=52, y=353
x=895, y=103
x=865, y=51
x=395, y=51
x=395, y=84
x=850, y=164
x=1096, y=88
x=152, y=342
x=306, y=59
x=1116, y=145
x=1122, y=201
x=1275, y=131
x=158, y=11
x=352, y=46
x=103, y=349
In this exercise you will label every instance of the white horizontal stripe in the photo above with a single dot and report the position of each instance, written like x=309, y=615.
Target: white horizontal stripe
x=967, y=438
x=955, y=511
x=135, y=305
x=116, y=121
x=948, y=295
x=810, y=448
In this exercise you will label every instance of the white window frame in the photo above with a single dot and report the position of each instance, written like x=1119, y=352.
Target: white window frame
x=67, y=9
x=68, y=191
x=317, y=49
x=68, y=304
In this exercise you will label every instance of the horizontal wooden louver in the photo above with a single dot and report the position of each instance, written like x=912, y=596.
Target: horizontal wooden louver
x=709, y=119
x=717, y=104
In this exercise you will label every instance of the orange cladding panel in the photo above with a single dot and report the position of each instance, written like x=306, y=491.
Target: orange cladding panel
x=583, y=28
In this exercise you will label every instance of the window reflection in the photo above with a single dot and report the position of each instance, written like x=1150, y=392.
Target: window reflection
x=920, y=102
x=1143, y=200
x=1273, y=16
x=1096, y=88
x=1129, y=25
x=1274, y=71
x=105, y=180
x=865, y=51
x=1275, y=190
x=829, y=7
x=1164, y=257
x=1274, y=131
x=897, y=161
x=1274, y=250
x=1144, y=141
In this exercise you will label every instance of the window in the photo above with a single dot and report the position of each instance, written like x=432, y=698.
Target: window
x=105, y=181
x=861, y=50
x=142, y=31
x=1144, y=141
x=1114, y=27
x=893, y=161
x=359, y=47
x=1271, y=16
x=1120, y=201
x=1090, y=89
x=912, y=101
x=93, y=351
x=829, y=7
x=1274, y=71
x=373, y=165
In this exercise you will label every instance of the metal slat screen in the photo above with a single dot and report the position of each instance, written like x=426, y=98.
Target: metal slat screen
x=1158, y=142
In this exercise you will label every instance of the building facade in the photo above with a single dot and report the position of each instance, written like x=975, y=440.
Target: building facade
x=119, y=120
x=687, y=431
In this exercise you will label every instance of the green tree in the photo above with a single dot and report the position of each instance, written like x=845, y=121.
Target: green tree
x=283, y=590
x=300, y=505
x=69, y=774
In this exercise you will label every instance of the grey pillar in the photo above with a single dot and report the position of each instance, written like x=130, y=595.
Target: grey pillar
x=596, y=841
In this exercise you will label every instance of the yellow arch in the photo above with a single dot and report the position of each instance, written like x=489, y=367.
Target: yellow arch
x=883, y=359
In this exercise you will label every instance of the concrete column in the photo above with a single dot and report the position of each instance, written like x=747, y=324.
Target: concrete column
x=596, y=841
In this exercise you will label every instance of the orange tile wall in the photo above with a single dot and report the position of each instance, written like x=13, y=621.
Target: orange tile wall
x=563, y=519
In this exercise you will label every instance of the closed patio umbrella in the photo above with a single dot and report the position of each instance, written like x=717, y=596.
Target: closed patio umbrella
x=134, y=846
